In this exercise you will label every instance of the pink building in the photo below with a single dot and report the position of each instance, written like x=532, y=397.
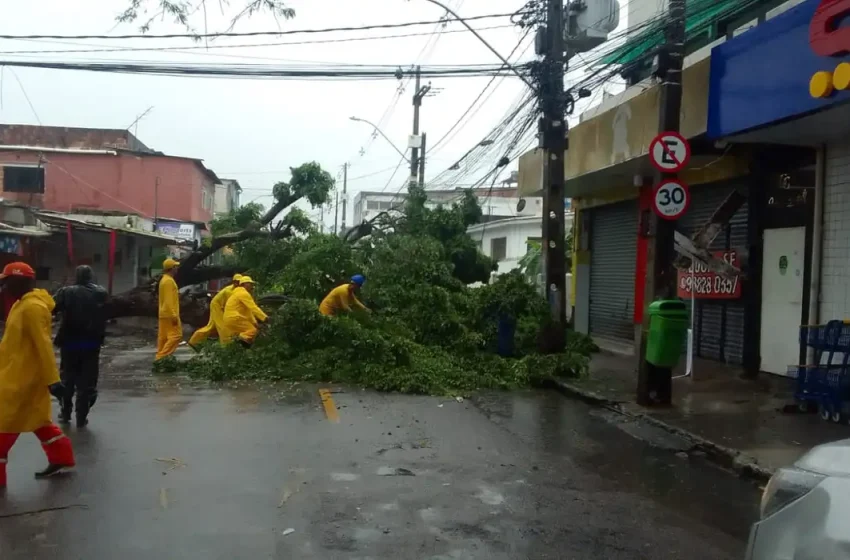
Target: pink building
x=73, y=169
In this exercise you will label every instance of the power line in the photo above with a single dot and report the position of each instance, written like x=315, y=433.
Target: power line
x=258, y=71
x=187, y=49
x=460, y=120
x=27, y=97
x=278, y=32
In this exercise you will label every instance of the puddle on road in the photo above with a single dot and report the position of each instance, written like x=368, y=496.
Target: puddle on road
x=615, y=448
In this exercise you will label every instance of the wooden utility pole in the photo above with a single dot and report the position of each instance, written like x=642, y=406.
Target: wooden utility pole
x=554, y=129
x=422, y=162
x=661, y=277
x=418, y=94
x=344, y=195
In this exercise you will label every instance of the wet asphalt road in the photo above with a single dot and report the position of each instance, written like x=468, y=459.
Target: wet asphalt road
x=171, y=469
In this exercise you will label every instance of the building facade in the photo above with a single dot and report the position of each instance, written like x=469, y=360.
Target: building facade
x=66, y=170
x=508, y=240
x=227, y=194
x=800, y=115
x=611, y=181
x=496, y=204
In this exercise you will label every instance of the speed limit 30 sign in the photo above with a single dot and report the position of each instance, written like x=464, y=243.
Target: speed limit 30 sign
x=671, y=199
x=669, y=152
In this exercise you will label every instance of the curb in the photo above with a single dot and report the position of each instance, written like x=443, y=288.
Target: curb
x=744, y=465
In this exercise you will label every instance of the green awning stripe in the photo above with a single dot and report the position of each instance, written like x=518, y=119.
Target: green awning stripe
x=699, y=16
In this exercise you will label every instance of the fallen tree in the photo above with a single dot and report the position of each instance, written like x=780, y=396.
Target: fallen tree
x=308, y=182
x=429, y=331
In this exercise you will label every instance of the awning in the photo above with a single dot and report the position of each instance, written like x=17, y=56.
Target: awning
x=700, y=17
x=58, y=222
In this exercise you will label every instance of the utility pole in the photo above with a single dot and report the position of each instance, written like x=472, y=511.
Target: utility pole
x=654, y=384
x=554, y=131
x=344, y=194
x=322, y=218
x=336, y=214
x=155, y=203
x=418, y=94
x=422, y=162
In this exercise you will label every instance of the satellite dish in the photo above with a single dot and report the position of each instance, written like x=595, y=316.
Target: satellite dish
x=520, y=206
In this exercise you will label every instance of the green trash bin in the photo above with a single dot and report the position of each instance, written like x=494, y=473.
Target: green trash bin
x=668, y=331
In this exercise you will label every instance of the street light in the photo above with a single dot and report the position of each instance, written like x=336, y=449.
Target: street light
x=381, y=132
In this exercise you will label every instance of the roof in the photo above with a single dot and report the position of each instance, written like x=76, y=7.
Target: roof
x=231, y=182
x=209, y=173
x=6, y=229
x=505, y=222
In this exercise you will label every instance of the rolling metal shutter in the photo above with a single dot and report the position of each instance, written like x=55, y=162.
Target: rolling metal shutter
x=613, y=250
x=718, y=324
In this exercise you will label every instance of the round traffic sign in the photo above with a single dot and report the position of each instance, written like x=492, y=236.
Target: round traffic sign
x=671, y=199
x=669, y=152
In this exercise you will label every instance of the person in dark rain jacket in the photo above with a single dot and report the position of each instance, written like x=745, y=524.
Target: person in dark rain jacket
x=80, y=338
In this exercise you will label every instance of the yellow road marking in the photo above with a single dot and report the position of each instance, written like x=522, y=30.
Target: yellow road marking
x=330, y=406
x=163, y=498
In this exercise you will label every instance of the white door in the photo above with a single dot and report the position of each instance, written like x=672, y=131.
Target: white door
x=782, y=298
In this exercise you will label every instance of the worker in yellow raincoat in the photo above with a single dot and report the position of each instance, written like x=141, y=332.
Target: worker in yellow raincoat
x=28, y=373
x=343, y=298
x=242, y=315
x=170, y=329
x=216, y=314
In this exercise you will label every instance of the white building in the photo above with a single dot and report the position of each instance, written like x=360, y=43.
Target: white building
x=226, y=196
x=496, y=204
x=507, y=240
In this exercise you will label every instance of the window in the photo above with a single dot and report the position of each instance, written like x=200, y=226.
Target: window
x=372, y=205
x=533, y=243
x=23, y=179
x=499, y=248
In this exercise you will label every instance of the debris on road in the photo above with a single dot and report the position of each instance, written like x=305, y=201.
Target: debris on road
x=174, y=462
x=394, y=471
x=42, y=510
x=288, y=532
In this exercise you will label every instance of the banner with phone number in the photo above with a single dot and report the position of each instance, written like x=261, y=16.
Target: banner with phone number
x=706, y=284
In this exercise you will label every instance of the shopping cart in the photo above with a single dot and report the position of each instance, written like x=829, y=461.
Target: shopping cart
x=825, y=383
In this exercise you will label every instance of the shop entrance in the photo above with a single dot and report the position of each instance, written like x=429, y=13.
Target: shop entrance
x=783, y=267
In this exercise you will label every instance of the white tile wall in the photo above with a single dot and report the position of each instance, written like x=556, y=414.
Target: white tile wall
x=835, y=261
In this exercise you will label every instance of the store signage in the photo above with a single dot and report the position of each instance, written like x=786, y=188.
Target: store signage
x=810, y=42
x=827, y=36
x=176, y=230
x=669, y=152
x=671, y=199
x=703, y=283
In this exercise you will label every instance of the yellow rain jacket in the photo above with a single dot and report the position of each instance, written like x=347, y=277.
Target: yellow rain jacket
x=216, y=322
x=170, y=329
x=341, y=298
x=241, y=315
x=27, y=365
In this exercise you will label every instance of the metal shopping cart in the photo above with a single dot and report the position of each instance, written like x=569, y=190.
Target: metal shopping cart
x=825, y=383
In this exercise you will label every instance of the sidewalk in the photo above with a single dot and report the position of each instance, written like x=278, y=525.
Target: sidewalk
x=740, y=422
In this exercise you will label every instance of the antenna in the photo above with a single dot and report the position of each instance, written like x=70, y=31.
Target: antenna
x=139, y=118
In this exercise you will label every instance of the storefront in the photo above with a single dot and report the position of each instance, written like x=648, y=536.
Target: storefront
x=613, y=249
x=718, y=303
x=783, y=87
x=610, y=177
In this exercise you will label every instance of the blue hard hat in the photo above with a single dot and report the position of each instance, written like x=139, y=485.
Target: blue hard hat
x=358, y=279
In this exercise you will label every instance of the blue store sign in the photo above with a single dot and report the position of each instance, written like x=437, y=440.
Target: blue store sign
x=794, y=64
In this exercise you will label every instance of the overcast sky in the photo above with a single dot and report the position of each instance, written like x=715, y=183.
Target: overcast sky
x=254, y=130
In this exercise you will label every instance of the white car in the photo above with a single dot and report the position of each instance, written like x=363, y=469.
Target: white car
x=805, y=509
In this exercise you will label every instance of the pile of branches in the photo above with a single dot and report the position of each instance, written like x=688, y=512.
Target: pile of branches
x=429, y=330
